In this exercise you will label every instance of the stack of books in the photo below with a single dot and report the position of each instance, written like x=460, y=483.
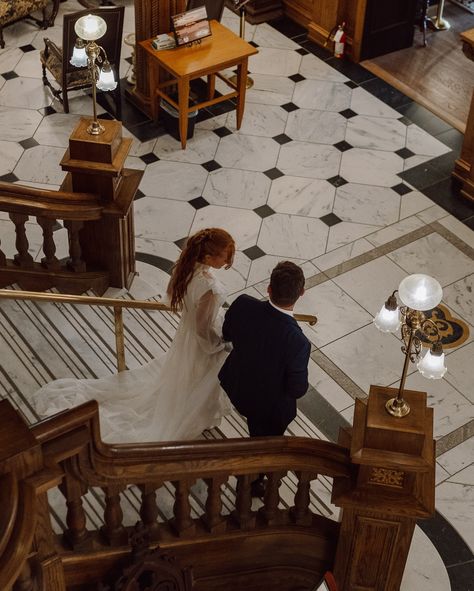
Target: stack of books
x=163, y=41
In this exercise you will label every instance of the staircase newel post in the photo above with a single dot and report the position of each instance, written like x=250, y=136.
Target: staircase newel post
x=392, y=485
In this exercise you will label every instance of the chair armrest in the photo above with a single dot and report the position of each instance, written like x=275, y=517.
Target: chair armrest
x=51, y=48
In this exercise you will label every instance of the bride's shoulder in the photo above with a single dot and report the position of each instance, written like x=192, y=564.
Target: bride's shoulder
x=205, y=276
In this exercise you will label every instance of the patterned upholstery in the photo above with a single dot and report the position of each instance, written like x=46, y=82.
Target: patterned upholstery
x=14, y=10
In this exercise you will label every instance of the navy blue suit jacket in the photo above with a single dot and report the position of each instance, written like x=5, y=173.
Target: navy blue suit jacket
x=267, y=369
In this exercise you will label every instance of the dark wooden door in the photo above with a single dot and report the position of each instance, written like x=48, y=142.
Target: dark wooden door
x=388, y=26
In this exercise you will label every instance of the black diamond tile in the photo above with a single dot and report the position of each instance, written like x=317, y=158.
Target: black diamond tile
x=337, y=181
x=253, y=44
x=254, y=252
x=302, y=51
x=264, y=211
x=297, y=77
x=401, y=189
x=211, y=165
x=27, y=48
x=405, y=121
x=149, y=158
x=198, y=202
x=29, y=143
x=139, y=195
x=47, y=111
x=273, y=173
x=128, y=60
x=282, y=139
x=10, y=75
x=9, y=178
x=222, y=131
x=350, y=84
x=57, y=226
x=348, y=113
x=289, y=107
x=330, y=219
x=405, y=153
x=343, y=146
x=181, y=242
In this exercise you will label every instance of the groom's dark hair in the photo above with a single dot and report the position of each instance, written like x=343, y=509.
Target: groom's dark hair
x=286, y=284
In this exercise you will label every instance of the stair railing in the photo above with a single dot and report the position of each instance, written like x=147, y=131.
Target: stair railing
x=116, y=304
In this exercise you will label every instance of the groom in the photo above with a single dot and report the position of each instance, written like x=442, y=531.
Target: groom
x=267, y=369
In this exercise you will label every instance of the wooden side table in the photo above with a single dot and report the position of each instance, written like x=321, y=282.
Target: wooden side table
x=222, y=50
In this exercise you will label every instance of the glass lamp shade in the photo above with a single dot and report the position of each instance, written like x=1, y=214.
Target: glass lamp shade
x=106, y=79
x=90, y=27
x=420, y=292
x=79, y=57
x=387, y=320
x=432, y=366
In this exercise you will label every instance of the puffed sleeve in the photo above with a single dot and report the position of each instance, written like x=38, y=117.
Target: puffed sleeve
x=208, y=320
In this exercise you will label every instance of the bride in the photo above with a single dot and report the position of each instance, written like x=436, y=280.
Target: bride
x=177, y=395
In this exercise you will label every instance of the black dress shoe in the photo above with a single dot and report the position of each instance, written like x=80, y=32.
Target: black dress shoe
x=257, y=488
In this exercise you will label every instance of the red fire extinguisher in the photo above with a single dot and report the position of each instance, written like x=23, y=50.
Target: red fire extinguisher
x=339, y=41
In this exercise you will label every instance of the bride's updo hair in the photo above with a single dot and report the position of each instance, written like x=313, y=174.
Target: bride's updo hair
x=212, y=242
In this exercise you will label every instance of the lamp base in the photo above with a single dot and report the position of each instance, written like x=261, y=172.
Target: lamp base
x=439, y=24
x=249, y=82
x=397, y=408
x=95, y=128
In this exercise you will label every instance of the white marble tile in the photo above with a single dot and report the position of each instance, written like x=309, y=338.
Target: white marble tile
x=9, y=58
x=458, y=457
x=29, y=65
x=173, y=180
x=456, y=503
x=459, y=297
x=28, y=93
x=80, y=103
x=134, y=162
x=465, y=476
x=371, y=167
x=237, y=188
x=421, y=142
x=395, y=231
x=371, y=284
x=155, y=278
x=20, y=33
x=162, y=219
x=364, y=103
x=40, y=164
x=18, y=124
x=435, y=256
x=10, y=152
x=309, y=160
x=56, y=129
x=235, y=278
x=275, y=62
x=262, y=267
x=233, y=24
x=440, y=474
x=201, y=148
x=261, y=120
x=460, y=370
x=432, y=214
x=161, y=248
x=270, y=90
x=458, y=229
x=247, y=152
x=346, y=232
x=328, y=388
x=292, y=236
x=212, y=122
x=315, y=69
x=415, y=161
x=322, y=127
x=376, y=133
x=413, y=203
x=342, y=254
x=242, y=224
x=322, y=95
x=366, y=204
x=300, y=196
x=248, y=291
x=266, y=36
x=8, y=238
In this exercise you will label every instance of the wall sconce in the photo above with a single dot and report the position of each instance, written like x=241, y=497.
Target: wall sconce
x=86, y=52
x=418, y=293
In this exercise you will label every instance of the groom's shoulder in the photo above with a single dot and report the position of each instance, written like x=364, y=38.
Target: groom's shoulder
x=246, y=301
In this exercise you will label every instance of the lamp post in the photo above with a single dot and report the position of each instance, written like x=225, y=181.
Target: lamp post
x=240, y=6
x=418, y=293
x=86, y=52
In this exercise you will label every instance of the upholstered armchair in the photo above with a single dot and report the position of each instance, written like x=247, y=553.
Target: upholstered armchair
x=12, y=11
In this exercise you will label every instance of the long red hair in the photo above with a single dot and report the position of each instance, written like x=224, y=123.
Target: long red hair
x=211, y=241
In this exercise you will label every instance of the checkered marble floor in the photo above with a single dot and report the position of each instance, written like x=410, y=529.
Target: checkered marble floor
x=333, y=169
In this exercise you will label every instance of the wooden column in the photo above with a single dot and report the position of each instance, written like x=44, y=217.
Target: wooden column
x=464, y=166
x=391, y=487
x=95, y=164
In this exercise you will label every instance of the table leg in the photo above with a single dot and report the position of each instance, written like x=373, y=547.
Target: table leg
x=242, y=69
x=153, y=79
x=183, y=101
x=211, y=86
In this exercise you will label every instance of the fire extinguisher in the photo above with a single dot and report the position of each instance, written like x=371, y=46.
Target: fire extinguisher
x=339, y=41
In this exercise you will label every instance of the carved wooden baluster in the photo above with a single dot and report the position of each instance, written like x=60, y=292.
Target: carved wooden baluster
x=243, y=502
x=22, y=258
x=25, y=580
x=73, y=489
x=270, y=509
x=75, y=253
x=113, y=530
x=49, y=261
x=182, y=522
x=212, y=518
x=149, y=509
x=300, y=512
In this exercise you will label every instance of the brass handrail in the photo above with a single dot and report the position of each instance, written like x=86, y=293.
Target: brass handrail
x=117, y=305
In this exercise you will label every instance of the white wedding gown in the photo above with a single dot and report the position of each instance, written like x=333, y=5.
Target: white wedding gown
x=175, y=396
